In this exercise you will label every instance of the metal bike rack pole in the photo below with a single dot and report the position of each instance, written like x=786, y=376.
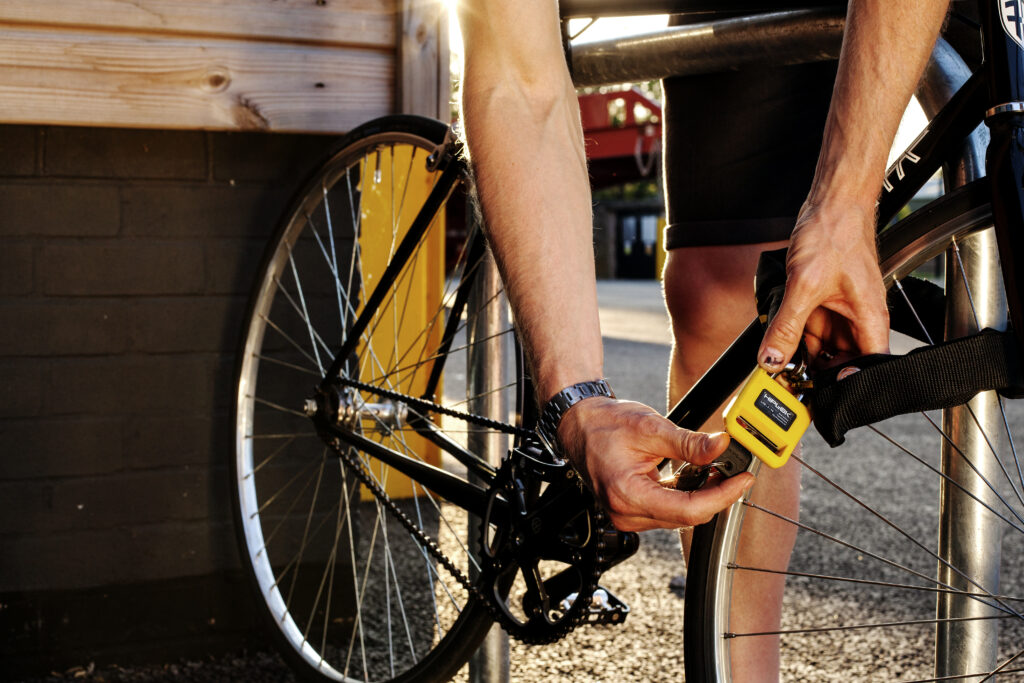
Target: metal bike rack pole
x=486, y=368
x=969, y=535
x=793, y=37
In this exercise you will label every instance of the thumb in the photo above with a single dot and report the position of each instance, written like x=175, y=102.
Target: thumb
x=700, y=448
x=784, y=333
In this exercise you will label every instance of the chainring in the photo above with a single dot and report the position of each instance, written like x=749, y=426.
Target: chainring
x=546, y=541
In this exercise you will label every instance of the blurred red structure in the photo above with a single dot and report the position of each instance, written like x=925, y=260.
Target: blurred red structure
x=622, y=130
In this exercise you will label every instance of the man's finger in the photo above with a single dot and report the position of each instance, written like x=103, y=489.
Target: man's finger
x=701, y=448
x=871, y=329
x=667, y=508
x=784, y=333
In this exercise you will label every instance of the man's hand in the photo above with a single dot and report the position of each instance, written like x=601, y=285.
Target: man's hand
x=618, y=445
x=834, y=296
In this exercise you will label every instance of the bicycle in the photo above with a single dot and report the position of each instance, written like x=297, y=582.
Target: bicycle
x=354, y=439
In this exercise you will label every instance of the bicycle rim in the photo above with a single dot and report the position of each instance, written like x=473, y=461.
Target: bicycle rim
x=866, y=575
x=350, y=592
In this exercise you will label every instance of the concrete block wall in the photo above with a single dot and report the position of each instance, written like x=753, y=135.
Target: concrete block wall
x=126, y=258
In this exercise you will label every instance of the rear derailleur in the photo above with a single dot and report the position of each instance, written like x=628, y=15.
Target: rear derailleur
x=546, y=541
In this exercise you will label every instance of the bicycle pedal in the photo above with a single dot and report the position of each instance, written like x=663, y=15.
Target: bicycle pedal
x=606, y=608
x=767, y=419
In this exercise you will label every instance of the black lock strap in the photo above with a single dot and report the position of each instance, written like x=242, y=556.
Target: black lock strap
x=874, y=388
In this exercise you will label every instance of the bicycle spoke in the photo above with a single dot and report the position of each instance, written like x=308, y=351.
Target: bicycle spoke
x=867, y=582
x=1002, y=666
x=951, y=481
x=973, y=467
x=906, y=535
x=872, y=555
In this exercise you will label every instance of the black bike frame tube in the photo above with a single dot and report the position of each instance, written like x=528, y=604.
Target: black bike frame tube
x=428, y=430
x=721, y=379
x=457, y=491
x=938, y=144
x=437, y=197
x=474, y=254
x=1005, y=161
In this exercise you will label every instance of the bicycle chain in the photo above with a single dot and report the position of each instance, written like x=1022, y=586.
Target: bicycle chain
x=425, y=541
x=425, y=405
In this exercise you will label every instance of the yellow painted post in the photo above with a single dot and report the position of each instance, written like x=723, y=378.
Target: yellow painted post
x=659, y=254
x=394, y=183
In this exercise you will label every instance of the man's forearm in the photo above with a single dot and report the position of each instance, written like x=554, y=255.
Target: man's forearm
x=885, y=49
x=526, y=147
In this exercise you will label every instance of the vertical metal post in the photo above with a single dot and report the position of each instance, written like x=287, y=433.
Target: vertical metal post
x=970, y=535
x=486, y=369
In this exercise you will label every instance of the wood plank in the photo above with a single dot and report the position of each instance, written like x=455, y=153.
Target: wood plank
x=347, y=22
x=104, y=79
x=423, y=82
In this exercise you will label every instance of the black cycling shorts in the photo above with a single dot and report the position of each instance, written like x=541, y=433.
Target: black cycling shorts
x=740, y=150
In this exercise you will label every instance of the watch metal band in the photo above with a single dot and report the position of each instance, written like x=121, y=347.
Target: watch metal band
x=557, y=405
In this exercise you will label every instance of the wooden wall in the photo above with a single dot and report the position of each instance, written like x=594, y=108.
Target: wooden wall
x=276, y=65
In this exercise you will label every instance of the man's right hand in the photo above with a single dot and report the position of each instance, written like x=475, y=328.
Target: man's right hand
x=835, y=299
x=618, y=445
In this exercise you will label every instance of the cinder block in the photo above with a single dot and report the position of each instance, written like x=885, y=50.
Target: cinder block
x=130, y=268
x=18, y=150
x=124, y=153
x=132, y=385
x=207, y=210
x=48, y=327
x=26, y=506
x=91, y=558
x=58, y=447
x=108, y=501
x=16, y=268
x=163, y=440
x=249, y=157
x=186, y=324
x=21, y=391
x=67, y=210
x=231, y=266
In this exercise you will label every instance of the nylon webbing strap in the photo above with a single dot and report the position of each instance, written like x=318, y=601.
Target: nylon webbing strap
x=874, y=388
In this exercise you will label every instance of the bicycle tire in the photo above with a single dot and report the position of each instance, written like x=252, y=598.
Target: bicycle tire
x=847, y=615
x=346, y=590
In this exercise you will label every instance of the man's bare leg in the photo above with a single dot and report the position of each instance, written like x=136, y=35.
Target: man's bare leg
x=709, y=295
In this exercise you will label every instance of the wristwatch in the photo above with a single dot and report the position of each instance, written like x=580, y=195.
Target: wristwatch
x=557, y=405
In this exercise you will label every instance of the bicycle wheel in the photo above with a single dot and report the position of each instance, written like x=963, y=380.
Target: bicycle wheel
x=867, y=596
x=351, y=582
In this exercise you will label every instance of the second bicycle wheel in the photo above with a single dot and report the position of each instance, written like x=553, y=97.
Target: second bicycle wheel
x=908, y=561
x=361, y=573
